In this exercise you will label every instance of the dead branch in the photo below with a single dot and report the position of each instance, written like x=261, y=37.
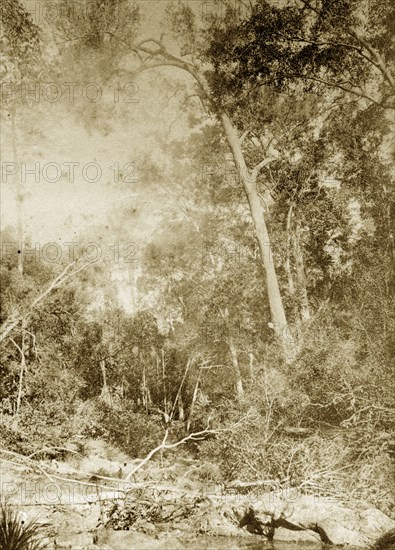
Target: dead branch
x=53, y=449
x=194, y=436
x=33, y=466
x=261, y=165
x=56, y=283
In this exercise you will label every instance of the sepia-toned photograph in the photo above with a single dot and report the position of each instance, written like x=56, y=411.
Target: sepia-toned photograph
x=197, y=274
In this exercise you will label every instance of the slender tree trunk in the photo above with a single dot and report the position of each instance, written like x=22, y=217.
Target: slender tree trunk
x=21, y=375
x=236, y=369
x=105, y=392
x=19, y=213
x=146, y=396
x=248, y=178
x=251, y=367
x=288, y=263
x=301, y=277
x=21, y=379
x=238, y=381
x=181, y=412
x=19, y=192
x=178, y=398
x=164, y=383
x=194, y=397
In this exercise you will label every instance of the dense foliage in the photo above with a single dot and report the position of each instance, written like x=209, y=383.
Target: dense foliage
x=200, y=350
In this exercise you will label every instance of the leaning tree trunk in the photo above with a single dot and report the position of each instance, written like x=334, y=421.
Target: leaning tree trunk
x=248, y=179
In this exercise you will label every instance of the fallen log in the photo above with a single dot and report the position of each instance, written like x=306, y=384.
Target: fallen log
x=244, y=487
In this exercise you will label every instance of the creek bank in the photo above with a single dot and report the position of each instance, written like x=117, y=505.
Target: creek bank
x=165, y=507
x=162, y=521
x=271, y=516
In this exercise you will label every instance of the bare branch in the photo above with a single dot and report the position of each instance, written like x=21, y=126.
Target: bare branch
x=261, y=165
x=346, y=45
x=53, y=449
x=56, y=283
x=243, y=136
x=194, y=436
x=160, y=57
x=83, y=36
x=149, y=456
x=345, y=89
x=33, y=465
x=379, y=61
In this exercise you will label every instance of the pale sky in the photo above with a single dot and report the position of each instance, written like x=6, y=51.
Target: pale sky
x=60, y=210
x=80, y=186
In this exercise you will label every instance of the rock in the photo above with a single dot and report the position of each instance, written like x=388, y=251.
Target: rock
x=145, y=527
x=218, y=519
x=323, y=518
x=339, y=524
x=79, y=541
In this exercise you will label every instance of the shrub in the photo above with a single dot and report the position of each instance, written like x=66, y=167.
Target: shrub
x=132, y=432
x=16, y=534
x=12, y=439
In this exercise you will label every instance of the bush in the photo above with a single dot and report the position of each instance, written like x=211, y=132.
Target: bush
x=13, y=440
x=132, y=432
x=16, y=534
x=342, y=462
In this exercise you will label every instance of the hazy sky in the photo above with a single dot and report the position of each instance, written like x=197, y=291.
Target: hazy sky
x=80, y=190
x=58, y=209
